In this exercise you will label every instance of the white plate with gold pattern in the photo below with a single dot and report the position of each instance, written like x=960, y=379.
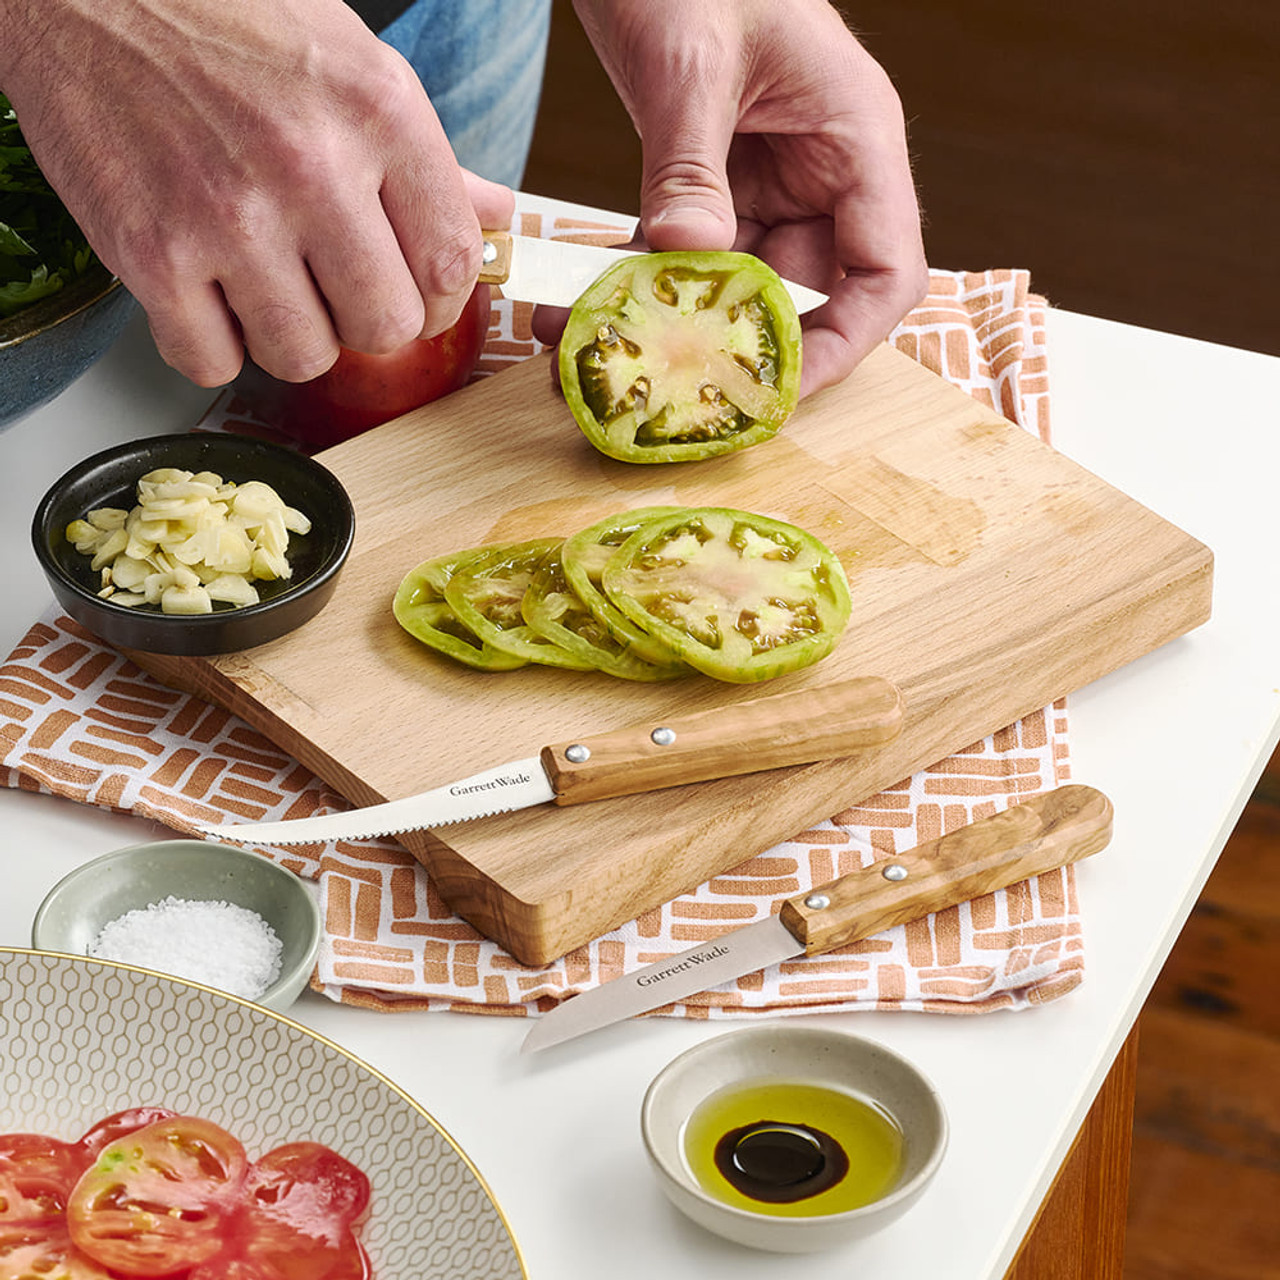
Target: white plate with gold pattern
x=81, y=1039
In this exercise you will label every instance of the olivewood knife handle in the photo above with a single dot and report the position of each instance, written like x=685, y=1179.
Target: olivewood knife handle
x=1047, y=831
x=765, y=733
x=496, y=266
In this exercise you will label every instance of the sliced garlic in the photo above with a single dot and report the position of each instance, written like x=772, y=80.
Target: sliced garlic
x=192, y=538
x=190, y=599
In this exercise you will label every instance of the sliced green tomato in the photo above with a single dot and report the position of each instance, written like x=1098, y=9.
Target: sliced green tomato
x=421, y=609
x=486, y=594
x=583, y=557
x=673, y=357
x=553, y=610
x=738, y=596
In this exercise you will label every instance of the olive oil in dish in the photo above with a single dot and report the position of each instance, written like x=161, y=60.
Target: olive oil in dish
x=791, y=1149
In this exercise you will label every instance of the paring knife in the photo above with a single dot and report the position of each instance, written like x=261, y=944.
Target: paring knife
x=1045, y=832
x=557, y=272
x=745, y=737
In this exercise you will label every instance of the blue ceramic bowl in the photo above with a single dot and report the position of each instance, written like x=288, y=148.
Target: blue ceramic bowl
x=45, y=347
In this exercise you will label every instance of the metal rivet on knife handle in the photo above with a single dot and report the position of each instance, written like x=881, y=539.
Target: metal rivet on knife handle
x=1044, y=832
x=576, y=753
x=895, y=871
x=820, y=722
x=496, y=258
x=663, y=736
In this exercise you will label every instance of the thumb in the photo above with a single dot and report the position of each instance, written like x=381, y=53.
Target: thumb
x=685, y=199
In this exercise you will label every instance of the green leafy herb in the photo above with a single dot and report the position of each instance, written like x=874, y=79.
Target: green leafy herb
x=41, y=247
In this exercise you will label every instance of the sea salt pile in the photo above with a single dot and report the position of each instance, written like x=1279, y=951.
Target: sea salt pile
x=216, y=943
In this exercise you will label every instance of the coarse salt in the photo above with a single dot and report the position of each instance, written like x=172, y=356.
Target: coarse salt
x=216, y=943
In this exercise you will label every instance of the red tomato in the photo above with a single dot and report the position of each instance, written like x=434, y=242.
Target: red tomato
x=160, y=1199
x=361, y=391
x=36, y=1177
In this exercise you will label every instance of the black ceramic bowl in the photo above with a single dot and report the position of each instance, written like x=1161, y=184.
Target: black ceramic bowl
x=109, y=479
x=48, y=345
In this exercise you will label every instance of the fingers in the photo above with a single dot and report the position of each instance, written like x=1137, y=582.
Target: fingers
x=197, y=335
x=685, y=198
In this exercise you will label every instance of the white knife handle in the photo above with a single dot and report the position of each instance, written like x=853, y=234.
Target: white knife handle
x=496, y=266
x=1047, y=831
x=745, y=737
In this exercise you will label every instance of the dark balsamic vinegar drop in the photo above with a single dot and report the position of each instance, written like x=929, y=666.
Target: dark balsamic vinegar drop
x=792, y=1149
x=779, y=1163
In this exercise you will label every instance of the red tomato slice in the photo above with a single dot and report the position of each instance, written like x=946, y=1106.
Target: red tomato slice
x=116, y=1126
x=36, y=1177
x=159, y=1200
x=304, y=1198
x=308, y=1185
x=44, y=1253
x=229, y=1269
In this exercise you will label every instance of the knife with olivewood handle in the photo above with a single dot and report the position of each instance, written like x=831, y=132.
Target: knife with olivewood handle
x=1042, y=833
x=820, y=723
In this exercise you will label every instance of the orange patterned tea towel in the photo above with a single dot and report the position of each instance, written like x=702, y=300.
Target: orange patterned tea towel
x=79, y=721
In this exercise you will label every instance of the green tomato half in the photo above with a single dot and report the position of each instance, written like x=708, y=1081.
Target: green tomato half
x=676, y=357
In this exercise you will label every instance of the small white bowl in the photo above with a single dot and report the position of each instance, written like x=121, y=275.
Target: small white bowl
x=81, y=904
x=797, y=1055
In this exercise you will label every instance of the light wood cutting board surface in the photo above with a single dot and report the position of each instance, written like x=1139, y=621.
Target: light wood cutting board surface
x=990, y=575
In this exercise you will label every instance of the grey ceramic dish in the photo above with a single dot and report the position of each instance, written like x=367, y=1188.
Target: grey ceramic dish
x=805, y=1055
x=77, y=908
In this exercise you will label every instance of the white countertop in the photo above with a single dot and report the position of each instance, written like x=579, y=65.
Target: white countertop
x=1176, y=739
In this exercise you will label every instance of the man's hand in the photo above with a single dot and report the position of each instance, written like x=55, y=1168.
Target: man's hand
x=767, y=127
x=260, y=175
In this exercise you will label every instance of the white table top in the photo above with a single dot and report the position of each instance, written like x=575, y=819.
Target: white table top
x=1176, y=739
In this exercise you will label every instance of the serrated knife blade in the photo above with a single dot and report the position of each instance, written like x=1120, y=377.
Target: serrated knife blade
x=557, y=272
x=820, y=723
x=1044, y=832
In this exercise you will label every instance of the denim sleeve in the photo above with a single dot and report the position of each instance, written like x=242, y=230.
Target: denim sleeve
x=481, y=63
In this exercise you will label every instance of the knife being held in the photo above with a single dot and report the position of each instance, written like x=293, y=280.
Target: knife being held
x=1045, y=832
x=557, y=272
x=799, y=727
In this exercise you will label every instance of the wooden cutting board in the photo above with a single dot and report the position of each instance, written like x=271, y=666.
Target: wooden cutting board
x=990, y=576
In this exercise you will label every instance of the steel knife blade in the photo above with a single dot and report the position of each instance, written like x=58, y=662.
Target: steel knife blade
x=1044, y=832
x=819, y=723
x=557, y=272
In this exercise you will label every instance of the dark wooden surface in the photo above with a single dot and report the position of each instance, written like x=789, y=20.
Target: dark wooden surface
x=1125, y=154
x=1079, y=1233
x=1205, y=1197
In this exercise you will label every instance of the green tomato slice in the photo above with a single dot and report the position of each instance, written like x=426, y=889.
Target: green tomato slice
x=674, y=357
x=421, y=609
x=583, y=558
x=740, y=597
x=487, y=592
x=553, y=609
